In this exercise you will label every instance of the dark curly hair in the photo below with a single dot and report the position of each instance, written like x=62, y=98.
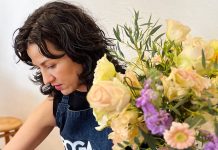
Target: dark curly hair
x=71, y=30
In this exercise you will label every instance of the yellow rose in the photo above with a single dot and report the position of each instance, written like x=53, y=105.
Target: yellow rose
x=176, y=31
x=104, y=70
x=108, y=96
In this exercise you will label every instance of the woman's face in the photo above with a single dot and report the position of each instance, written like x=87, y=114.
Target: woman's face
x=62, y=73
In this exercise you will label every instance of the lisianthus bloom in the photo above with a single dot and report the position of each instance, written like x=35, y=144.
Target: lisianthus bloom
x=213, y=91
x=187, y=80
x=125, y=127
x=215, y=81
x=172, y=90
x=176, y=31
x=104, y=70
x=179, y=136
x=108, y=96
x=209, y=124
x=132, y=79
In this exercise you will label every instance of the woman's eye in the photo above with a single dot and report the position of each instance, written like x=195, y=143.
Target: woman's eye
x=51, y=66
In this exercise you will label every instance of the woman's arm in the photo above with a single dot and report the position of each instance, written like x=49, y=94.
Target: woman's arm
x=35, y=129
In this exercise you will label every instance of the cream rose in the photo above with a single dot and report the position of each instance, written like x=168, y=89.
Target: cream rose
x=108, y=96
x=191, y=55
x=104, y=70
x=176, y=31
x=193, y=47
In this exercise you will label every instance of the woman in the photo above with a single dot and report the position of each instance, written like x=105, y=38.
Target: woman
x=63, y=44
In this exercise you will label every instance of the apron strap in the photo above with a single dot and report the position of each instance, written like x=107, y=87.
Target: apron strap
x=65, y=99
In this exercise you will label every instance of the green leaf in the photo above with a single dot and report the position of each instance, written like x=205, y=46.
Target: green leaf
x=154, y=48
x=158, y=37
x=136, y=33
x=118, y=48
x=126, y=142
x=149, y=139
x=117, y=33
x=149, y=41
x=136, y=140
x=196, y=120
x=216, y=63
x=142, y=55
x=149, y=20
x=140, y=45
x=146, y=24
x=131, y=39
x=216, y=127
x=203, y=59
x=154, y=30
x=126, y=30
x=181, y=102
x=128, y=44
x=176, y=111
x=120, y=145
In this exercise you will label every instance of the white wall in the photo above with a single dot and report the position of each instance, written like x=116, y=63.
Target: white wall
x=18, y=96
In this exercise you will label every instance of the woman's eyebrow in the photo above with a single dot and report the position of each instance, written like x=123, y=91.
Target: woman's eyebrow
x=41, y=63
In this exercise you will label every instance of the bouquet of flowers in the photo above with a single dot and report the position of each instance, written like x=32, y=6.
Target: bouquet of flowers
x=168, y=96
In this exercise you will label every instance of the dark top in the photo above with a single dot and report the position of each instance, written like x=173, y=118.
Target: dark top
x=77, y=101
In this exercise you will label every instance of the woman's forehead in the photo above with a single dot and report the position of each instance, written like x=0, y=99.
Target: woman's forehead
x=52, y=49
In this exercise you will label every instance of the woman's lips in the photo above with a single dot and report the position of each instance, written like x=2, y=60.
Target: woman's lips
x=58, y=87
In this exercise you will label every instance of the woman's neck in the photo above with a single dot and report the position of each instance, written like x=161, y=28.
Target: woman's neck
x=82, y=88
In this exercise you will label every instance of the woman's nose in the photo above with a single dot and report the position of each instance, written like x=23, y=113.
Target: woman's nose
x=47, y=77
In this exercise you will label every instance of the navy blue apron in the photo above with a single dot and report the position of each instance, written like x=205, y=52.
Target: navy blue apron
x=77, y=129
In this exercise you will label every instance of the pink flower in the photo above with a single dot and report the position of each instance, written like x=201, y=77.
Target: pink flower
x=179, y=136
